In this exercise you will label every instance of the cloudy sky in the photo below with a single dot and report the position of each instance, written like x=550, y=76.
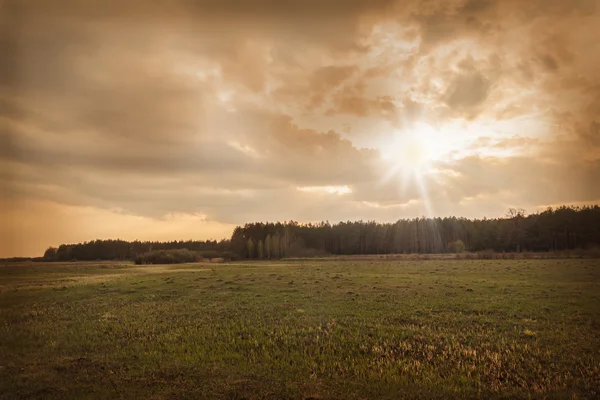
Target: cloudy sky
x=181, y=119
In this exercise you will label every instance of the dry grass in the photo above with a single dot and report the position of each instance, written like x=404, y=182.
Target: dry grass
x=306, y=328
x=48, y=280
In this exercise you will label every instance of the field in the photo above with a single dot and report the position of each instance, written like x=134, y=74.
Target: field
x=324, y=329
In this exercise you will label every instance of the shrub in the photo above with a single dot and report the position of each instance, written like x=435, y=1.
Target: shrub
x=456, y=247
x=176, y=256
x=209, y=254
x=230, y=256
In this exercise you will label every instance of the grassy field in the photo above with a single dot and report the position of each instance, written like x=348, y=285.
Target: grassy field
x=338, y=329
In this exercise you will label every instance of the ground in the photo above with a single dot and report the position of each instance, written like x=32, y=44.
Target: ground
x=321, y=329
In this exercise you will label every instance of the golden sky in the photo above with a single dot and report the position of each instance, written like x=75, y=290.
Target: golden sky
x=161, y=120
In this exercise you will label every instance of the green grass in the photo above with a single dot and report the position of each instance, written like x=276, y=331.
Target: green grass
x=337, y=329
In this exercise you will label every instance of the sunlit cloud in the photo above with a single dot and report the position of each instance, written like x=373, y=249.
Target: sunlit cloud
x=338, y=190
x=244, y=148
x=411, y=203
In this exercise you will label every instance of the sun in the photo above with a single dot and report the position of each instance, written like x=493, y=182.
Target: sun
x=415, y=150
x=411, y=155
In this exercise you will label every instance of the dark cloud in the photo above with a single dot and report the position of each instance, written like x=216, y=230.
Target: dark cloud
x=277, y=9
x=219, y=25
x=550, y=62
x=467, y=91
x=478, y=6
x=441, y=22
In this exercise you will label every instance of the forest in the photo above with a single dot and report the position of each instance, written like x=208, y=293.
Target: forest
x=563, y=228
x=124, y=250
x=558, y=229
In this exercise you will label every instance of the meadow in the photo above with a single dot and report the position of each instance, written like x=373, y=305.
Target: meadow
x=301, y=329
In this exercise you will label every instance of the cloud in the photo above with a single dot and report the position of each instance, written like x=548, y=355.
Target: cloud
x=212, y=173
x=224, y=109
x=467, y=91
x=531, y=181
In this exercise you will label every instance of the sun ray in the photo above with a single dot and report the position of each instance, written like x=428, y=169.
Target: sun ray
x=410, y=156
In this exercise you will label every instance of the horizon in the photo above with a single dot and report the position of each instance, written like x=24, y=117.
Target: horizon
x=506, y=216
x=186, y=120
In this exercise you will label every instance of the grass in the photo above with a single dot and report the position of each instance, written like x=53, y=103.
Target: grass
x=301, y=329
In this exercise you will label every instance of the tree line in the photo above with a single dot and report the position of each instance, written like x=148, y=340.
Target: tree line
x=559, y=229
x=555, y=229
x=124, y=250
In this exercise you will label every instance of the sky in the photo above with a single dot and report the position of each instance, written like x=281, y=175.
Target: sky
x=180, y=119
